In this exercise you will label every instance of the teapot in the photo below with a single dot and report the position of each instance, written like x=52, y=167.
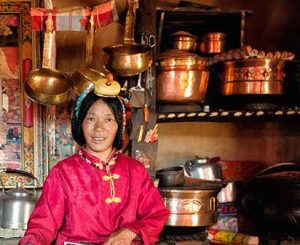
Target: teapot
x=17, y=204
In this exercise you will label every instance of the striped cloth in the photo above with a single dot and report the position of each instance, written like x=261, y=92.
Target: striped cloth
x=105, y=14
x=74, y=18
x=64, y=19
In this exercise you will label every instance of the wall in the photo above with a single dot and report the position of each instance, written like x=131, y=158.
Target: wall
x=270, y=142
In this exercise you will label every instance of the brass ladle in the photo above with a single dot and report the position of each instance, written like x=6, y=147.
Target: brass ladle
x=128, y=59
x=85, y=75
x=47, y=85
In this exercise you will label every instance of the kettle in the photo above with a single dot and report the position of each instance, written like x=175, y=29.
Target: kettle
x=17, y=204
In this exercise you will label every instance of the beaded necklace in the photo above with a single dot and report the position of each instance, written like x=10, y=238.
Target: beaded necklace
x=109, y=177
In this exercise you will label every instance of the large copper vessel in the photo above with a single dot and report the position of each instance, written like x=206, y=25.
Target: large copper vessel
x=191, y=206
x=182, y=77
x=252, y=76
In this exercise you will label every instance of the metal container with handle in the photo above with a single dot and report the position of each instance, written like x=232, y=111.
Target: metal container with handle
x=128, y=59
x=47, y=85
x=191, y=206
x=85, y=76
x=204, y=168
x=17, y=204
x=182, y=77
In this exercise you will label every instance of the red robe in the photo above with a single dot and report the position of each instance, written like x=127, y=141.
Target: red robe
x=72, y=205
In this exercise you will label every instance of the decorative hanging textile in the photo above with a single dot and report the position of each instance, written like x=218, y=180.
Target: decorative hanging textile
x=64, y=19
x=105, y=14
x=74, y=18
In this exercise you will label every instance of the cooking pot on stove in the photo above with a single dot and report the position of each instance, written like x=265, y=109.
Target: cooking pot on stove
x=271, y=200
x=171, y=176
x=16, y=204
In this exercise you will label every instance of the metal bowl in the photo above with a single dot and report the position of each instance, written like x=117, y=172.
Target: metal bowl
x=48, y=86
x=127, y=59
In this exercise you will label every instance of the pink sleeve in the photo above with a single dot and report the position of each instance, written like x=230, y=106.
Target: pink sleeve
x=151, y=214
x=48, y=214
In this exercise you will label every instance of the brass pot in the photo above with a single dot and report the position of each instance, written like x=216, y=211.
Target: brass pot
x=184, y=41
x=252, y=76
x=128, y=59
x=191, y=206
x=182, y=77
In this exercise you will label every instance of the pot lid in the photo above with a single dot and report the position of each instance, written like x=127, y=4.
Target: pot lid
x=107, y=88
x=177, y=57
x=19, y=192
x=183, y=34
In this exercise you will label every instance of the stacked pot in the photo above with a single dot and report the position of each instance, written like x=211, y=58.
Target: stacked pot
x=182, y=75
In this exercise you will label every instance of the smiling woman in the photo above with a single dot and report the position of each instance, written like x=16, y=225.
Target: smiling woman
x=110, y=193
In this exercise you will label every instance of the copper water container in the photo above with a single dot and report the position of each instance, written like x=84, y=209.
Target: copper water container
x=182, y=77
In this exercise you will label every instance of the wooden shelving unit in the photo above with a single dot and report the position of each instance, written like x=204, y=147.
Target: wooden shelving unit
x=220, y=115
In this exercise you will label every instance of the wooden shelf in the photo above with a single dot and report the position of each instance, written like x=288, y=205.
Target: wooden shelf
x=291, y=113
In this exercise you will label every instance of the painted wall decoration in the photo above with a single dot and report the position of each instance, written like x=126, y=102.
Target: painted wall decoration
x=19, y=120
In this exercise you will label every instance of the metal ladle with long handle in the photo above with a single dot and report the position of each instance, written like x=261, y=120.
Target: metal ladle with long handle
x=128, y=59
x=85, y=75
x=47, y=85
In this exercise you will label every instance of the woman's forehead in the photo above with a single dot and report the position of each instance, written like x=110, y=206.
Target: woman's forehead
x=100, y=106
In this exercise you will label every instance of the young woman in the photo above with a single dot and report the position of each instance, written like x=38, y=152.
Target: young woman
x=98, y=195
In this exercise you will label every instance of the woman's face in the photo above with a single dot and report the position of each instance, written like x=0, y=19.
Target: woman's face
x=99, y=129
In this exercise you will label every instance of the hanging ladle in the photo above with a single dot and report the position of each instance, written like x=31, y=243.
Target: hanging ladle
x=128, y=59
x=46, y=85
x=85, y=75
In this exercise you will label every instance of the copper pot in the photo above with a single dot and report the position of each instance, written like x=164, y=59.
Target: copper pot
x=182, y=77
x=252, y=76
x=191, y=205
x=213, y=42
x=128, y=59
x=184, y=41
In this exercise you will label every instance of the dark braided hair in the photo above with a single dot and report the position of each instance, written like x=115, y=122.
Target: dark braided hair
x=113, y=103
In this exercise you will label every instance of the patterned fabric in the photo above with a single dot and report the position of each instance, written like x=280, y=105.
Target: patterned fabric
x=74, y=18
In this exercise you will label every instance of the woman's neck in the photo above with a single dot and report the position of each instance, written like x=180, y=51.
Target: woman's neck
x=102, y=156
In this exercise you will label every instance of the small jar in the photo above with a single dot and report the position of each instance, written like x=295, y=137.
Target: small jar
x=213, y=43
x=184, y=41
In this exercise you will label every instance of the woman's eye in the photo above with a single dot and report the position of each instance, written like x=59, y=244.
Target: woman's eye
x=90, y=119
x=109, y=119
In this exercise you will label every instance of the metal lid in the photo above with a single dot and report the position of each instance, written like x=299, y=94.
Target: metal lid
x=183, y=35
x=19, y=192
x=176, y=57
